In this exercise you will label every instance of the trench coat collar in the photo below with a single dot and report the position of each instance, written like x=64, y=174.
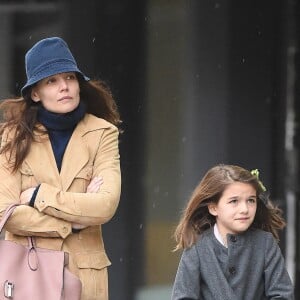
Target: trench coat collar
x=41, y=159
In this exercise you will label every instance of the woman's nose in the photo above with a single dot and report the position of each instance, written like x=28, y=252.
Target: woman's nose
x=63, y=84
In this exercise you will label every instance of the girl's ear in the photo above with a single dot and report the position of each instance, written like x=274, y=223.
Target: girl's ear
x=34, y=95
x=212, y=208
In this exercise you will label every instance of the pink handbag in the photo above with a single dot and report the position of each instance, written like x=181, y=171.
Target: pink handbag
x=31, y=273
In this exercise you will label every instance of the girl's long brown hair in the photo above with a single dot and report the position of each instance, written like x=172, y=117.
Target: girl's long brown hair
x=19, y=117
x=196, y=217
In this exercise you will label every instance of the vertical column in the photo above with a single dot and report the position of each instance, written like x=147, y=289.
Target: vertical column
x=204, y=107
x=291, y=166
x=185, y=121
x=6, y=54
x=295, y=109
x=166, y=63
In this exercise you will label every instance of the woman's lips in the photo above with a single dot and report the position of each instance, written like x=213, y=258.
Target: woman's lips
x=65, y=98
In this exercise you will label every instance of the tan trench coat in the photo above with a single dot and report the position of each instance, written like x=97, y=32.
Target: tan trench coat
x=62, y=199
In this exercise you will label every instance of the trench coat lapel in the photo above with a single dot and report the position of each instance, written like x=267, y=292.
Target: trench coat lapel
x=42, y=162
x=77, y=153
x=75, y=158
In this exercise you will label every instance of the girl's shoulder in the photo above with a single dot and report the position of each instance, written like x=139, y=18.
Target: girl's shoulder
x=259, y=238
x=205, y=237
x=260, y=234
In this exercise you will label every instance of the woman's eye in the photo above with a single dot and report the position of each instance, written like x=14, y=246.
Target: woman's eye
x=51, y=80
x=71, y=77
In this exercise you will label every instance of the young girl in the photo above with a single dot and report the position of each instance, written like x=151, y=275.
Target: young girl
x=59, y=157
x=229, y=235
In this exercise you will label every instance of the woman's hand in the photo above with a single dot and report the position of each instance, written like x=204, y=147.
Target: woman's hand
x=93, y=187
x=27, y=195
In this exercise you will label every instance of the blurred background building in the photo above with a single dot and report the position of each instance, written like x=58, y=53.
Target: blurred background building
x=197, y=83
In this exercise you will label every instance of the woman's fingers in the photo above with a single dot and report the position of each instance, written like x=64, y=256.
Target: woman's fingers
x=78, y=226
x=94, y=185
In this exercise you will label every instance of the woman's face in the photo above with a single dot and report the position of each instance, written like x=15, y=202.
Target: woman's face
x=58, y=93
x=235, y=210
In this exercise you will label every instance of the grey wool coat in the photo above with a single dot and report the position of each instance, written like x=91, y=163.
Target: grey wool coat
x=251, y=268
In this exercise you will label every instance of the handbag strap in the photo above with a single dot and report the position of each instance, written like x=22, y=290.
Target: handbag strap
x=8, y=212
x=32, y=254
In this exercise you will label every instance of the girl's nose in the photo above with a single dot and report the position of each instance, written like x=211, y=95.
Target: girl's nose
x=244, y=207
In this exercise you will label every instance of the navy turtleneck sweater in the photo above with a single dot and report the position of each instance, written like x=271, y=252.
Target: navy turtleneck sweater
x=60, y=128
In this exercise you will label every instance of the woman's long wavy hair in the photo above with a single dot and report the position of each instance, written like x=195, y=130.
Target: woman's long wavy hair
x=19, y=117
x=196, y=217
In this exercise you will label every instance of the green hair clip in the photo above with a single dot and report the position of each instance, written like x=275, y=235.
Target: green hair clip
x=255, y=173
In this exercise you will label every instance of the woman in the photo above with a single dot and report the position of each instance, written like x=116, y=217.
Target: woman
x=59, y=156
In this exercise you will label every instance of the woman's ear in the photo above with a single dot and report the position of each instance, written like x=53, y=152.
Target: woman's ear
x=212, y=208
x=34, y=95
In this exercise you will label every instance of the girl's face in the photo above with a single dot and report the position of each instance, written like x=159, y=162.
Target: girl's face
x=236, y=208
x=58, y=93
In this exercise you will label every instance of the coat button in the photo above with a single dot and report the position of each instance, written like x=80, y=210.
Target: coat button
x=233, y=238
x=232, y=270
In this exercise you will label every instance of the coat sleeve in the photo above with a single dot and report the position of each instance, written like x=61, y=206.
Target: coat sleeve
x=88, y=208
x=278, y=284
x=187, y=281
x=26, y=220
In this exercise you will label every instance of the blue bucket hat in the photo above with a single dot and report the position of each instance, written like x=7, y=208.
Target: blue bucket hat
x=48, y=57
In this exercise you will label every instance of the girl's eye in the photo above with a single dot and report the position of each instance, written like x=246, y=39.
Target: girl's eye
x=233, y=201
x=252, y=200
